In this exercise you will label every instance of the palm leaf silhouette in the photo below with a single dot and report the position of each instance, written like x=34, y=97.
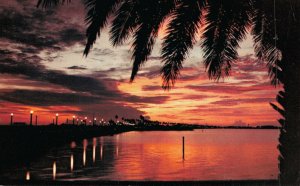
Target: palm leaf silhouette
x=226, y=26
x=179, y=39
x=50, y=3
x=97, y=16
x=124, y=22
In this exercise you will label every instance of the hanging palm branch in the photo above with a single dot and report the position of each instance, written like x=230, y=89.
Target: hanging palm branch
x=180, y=38
x=265, y=38
x=97, y=16
x=50, y=3
x=226, y=26
x=124, y=22
x=151, y=14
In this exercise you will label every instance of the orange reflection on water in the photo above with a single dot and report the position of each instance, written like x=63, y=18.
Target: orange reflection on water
x=94, y=149
x=85, y=144
x=117, y=151
x=117, y=145
x=101, y=151
x=209, y=155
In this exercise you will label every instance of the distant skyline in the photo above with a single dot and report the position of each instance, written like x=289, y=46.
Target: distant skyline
x=42, y=69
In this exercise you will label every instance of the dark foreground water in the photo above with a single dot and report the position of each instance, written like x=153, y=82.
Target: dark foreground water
x=212, y=154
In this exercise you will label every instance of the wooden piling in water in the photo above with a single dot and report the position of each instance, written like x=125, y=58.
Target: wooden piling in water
x=182, y=147
x=31, y=118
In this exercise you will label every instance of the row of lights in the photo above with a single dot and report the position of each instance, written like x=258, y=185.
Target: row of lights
x=56, y=121
x=85, y=119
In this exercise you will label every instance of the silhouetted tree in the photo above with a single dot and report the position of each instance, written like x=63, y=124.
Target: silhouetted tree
x=111, y=122
x=276, y=41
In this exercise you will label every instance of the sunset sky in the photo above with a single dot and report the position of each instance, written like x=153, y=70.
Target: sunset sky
x=42, y=68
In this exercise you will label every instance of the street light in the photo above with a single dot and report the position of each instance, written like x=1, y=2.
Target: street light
x=73, y=120
x=11, y=118
x=31, y=112
x=56, y=119
x=95, y=121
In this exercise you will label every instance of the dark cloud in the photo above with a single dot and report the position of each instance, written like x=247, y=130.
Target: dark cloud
x=34, y=30
x=46, y=98
x=231, y=102
x=101, y=88
x=152, y=99
x=35, y=71
x=30, y=31
x=151, y=88
x=71, y=36
x=225, y=88
x=197, y=97
x=77, y=68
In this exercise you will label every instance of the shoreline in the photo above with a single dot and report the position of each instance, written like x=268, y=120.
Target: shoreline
x=133, y=183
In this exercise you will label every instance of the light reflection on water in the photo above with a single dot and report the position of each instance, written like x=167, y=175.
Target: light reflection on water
x=27, y=176
x=72, y=162
x=101, y=151
x=54, y=170
x=94, y=149
x=213, y=154
x=84, y=157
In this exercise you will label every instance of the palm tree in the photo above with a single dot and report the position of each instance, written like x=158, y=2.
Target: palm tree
x=275, y=31
x=116, y=116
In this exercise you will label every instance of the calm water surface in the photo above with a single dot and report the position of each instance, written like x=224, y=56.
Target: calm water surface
x=214, y=154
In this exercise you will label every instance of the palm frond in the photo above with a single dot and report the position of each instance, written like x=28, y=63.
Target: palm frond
x=264, y=38
x=50, y=3
x=179, y=39
x=227, y=23
x=151, y=15
x=98, y=12
x=275, y=107
x=124, y=22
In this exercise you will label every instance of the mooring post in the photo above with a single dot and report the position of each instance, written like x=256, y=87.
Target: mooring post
x=182, y=147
